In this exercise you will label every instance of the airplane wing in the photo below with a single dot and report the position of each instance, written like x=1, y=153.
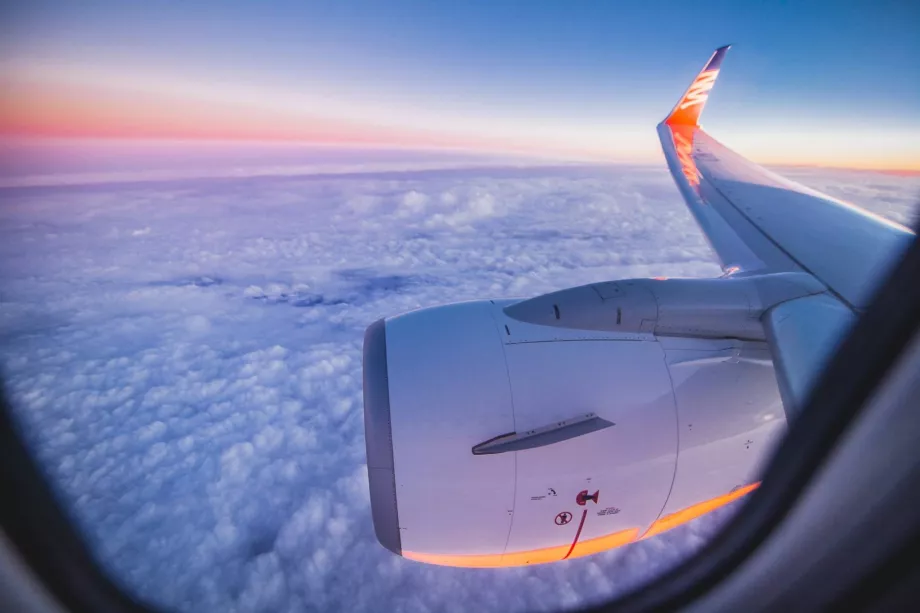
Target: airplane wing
x=758, y=222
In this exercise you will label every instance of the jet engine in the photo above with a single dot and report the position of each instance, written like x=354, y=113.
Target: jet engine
x=503, y=433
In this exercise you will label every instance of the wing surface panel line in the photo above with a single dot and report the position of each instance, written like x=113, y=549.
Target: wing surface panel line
x=767, y=236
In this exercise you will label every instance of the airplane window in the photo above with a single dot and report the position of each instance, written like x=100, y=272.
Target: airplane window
x=195, y=395
x=184, y=302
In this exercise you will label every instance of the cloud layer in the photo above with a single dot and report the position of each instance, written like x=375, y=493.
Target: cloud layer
x=185, y=358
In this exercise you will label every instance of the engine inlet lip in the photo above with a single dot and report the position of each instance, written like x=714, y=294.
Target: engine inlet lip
x=378, y=438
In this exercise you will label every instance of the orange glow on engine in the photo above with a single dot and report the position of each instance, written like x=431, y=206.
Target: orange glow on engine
x=603, y=543
x=581, y=548
x=535, y=556
x=684, y=515
x=494, y=560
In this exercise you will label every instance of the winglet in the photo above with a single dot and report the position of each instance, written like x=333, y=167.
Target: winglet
x=688, y=109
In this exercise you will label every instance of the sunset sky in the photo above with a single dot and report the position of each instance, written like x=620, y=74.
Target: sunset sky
x=813, y=84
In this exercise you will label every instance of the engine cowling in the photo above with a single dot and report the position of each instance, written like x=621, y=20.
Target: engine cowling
x=496, y=441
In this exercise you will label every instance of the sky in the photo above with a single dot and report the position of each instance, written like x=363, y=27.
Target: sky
x=184, y=356
x=815, y=83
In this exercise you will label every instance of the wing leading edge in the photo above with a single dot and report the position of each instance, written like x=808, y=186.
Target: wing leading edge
x=758, y=222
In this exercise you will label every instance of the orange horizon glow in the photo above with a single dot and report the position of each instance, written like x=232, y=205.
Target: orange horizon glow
x=71, y=112
x=58, y=105
x=905, y=169
x=41, y=109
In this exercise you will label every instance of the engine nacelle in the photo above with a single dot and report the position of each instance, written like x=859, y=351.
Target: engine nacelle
x=499, y=436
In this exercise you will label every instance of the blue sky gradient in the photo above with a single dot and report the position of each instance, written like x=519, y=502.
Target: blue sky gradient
x=815, y=69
